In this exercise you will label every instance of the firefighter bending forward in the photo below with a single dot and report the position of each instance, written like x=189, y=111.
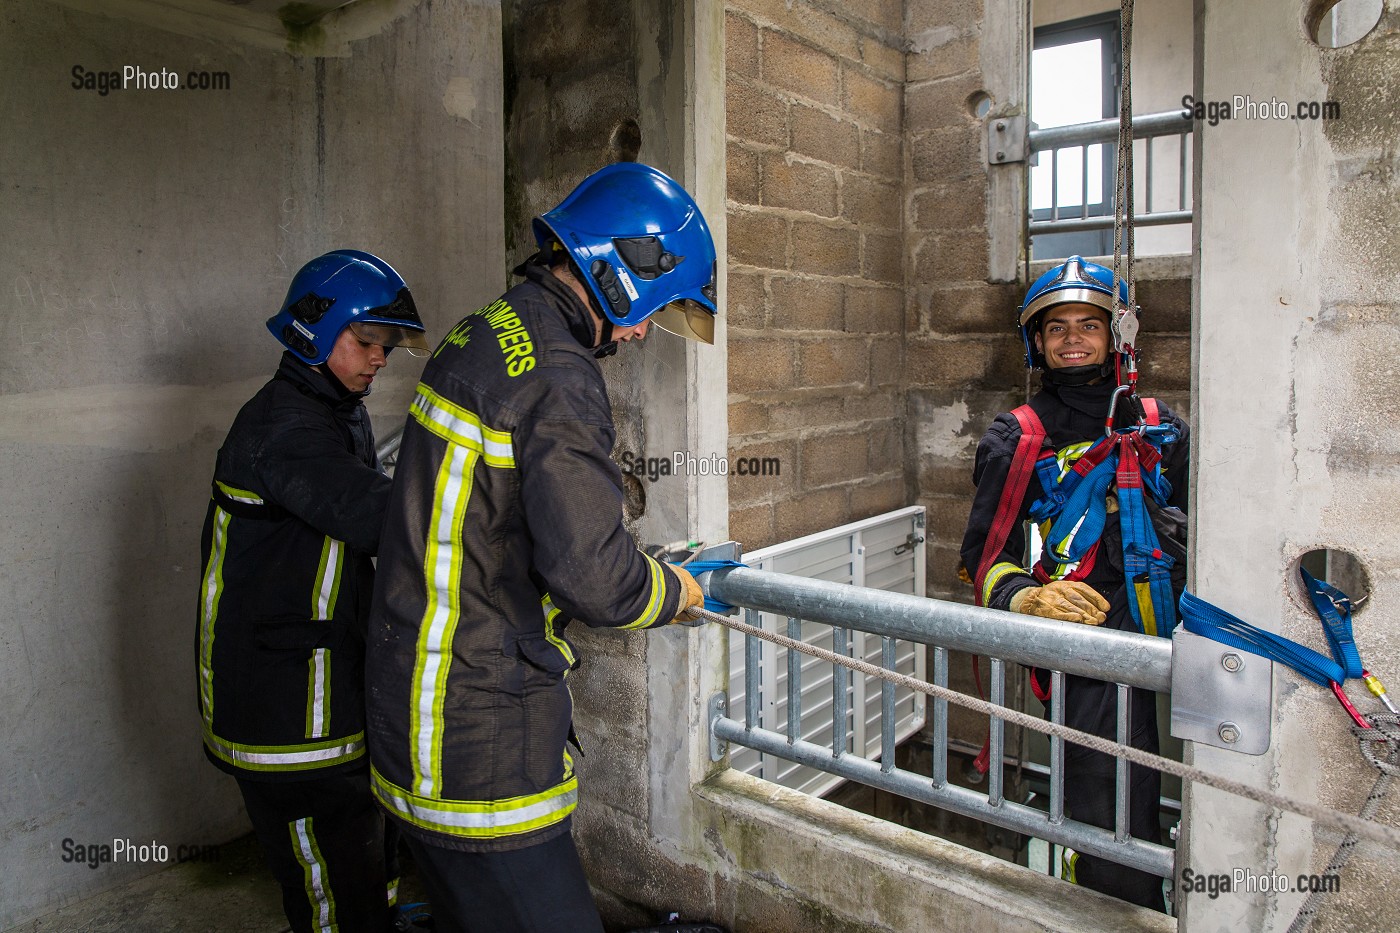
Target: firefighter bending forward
x=1064, y=324
x=298, y=501
x=505, y=525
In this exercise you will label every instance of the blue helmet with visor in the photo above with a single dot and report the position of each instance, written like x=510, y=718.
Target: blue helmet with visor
x=641, y=247
x=1074, y=281
x=347, y=288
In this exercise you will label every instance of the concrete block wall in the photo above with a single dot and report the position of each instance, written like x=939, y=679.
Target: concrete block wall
x=816, y=262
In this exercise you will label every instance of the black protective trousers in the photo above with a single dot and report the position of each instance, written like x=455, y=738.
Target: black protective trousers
x=328, y=845
x=537, y=889
x=1091, y=797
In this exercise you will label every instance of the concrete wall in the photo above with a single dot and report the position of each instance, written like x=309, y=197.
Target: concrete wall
x=817, y=275
x=147, y=235
x=1295, y=443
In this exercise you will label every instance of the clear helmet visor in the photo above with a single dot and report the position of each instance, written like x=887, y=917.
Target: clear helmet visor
x=389, y=336
x=688, y=319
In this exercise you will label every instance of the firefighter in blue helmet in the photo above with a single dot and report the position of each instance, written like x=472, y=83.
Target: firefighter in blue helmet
x=505, y=526
x=297, y=504
x=1067, y=325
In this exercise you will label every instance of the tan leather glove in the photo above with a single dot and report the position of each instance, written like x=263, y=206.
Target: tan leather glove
x=1066, y=600
x=693, y=595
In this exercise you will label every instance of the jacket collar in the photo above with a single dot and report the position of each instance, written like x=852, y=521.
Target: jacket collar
x=576, y=315
x=315, y=384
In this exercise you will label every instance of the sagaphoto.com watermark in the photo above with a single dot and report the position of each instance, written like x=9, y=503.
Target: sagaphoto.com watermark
x=1246, y=107
x=134, y=852
x=136, y=78
x=1247, y=881
x=685, y=463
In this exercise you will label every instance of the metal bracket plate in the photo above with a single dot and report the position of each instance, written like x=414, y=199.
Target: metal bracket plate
x=719, y=708
x=1221, y=696
x=1006, y=140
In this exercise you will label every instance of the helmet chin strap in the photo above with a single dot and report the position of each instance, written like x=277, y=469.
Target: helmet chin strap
x=606, y=345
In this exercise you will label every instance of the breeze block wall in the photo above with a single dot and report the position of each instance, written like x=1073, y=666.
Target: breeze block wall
x=816, y=263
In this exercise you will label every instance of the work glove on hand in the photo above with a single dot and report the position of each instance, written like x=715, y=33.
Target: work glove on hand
x=1066, y=600
x=693, y=595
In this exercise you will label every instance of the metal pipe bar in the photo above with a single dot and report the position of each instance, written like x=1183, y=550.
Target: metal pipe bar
x=1055, y=184
x=1079, y=224
x=1121, y=657
x=1120, y=779
x=1166, y=123
x=794, y=682
x=1057, y=748
x=997, y=735
x=1083, y=182
x=1181, y=175
x=840, y=644
x=1147, y=144
x=1135, y=853
x=940, y=719
x=751, y=659
x=887, y=743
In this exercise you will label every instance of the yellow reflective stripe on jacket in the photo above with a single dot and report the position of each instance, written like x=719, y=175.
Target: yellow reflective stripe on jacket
x=239, y=495
x=479, y=819
x=318, y=694
x=1069, y=455
x=551, y=612
x=318, y=888
x=210, y=591
x=994, y=576
x=327, y=585
x=457, y=425
x=658, y=596
x=442, y=566
x=276, y=758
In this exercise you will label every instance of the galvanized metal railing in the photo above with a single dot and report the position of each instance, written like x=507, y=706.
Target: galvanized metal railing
x=1127, y=659
x=1105, y=132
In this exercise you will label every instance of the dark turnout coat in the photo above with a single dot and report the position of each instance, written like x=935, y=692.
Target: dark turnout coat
x=505, y=523
x=293, y=519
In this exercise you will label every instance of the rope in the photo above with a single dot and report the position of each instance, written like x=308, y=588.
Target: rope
x=1385, y=732
x=1123, y=210
x=1360, y=827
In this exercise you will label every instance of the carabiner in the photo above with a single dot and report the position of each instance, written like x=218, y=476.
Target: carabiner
x=1346, y=705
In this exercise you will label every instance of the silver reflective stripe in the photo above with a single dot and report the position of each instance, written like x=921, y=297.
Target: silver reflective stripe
x=499, y=819
x=327, y=580
x=434, y=650
x=240, y=495
x=318, y=693
x=242, y=755
x=209, y=611
x=317, y=889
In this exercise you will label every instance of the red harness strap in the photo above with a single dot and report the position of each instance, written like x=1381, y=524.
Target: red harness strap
x=1012, y=493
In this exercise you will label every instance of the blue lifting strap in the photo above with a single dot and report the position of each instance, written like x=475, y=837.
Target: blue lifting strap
x=697, y=567
x=1202, y=618
x=1334, y=609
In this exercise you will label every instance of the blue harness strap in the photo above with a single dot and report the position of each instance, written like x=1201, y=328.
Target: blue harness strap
x=1077, y=500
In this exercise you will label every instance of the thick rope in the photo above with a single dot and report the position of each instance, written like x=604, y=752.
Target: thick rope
x=1386, y=759
x=1343, y=822
x=1123, y=187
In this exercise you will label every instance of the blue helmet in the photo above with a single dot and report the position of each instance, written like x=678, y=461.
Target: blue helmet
x=1076, y=280
x=641, y=246
x=347, y=288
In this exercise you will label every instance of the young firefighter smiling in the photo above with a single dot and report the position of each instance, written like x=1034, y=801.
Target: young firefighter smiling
x=1066, y=330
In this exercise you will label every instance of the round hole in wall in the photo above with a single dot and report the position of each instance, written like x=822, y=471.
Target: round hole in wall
x=1342, y=569
x=1334, y=24
x=626, y=141
x=979, y=104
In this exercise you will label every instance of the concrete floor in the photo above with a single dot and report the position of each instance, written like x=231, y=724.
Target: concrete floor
x=236, y=894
